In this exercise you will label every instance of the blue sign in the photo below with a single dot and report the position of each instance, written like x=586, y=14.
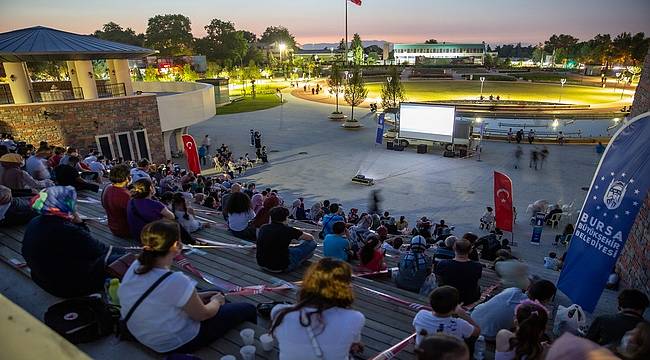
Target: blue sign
x=537, y=229
x=380, y=129
x=617, y=192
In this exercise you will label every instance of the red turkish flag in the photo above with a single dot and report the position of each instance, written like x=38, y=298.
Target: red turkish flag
x=503, y=201
x=192, y=154
x=356, y=2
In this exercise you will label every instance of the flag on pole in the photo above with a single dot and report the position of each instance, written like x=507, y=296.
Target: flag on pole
x=192, y=154
x=503, y=201
x=617, y=193
x=356, y=2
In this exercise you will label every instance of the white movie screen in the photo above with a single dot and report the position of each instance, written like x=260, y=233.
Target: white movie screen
x=427, y=122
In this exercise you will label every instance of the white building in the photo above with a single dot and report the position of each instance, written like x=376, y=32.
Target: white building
x=446, y=53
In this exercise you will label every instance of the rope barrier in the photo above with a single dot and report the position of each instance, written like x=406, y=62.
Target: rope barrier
x=395, y=349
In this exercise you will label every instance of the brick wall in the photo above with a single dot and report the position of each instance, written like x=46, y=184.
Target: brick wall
x=634, y=263
x=76, y=123
x=641, y=102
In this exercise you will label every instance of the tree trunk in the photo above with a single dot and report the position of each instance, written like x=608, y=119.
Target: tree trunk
x=352, y=115
x=337, y=101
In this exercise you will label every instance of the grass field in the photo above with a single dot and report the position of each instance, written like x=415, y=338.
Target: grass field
x=261, y=102
x=507, y=90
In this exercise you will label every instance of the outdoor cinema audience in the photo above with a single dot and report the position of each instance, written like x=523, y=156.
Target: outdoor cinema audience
x=414, y=266
x=240, y=215
x=441, y=346
x=461, y=272
x=526, y=340
x=14, y=210
x=115, y=200
x=610, y=329
x=336, y=245
x=174, y=317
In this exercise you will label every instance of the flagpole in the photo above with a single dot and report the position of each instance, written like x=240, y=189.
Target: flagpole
x=346, y=32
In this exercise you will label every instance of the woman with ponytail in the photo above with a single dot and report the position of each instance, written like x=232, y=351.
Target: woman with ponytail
x=321, y=325
x=526, y=342
x=173, y=317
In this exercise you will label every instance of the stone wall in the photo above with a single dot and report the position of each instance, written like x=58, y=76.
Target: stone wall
x=76, y=123
x=641, y=102
x=634, y=263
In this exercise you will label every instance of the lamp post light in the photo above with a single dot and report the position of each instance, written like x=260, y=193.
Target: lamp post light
x=482, y=78
x=562, y=82
x=389, y=79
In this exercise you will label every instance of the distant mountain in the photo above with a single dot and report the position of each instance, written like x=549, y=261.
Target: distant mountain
x=366, y=43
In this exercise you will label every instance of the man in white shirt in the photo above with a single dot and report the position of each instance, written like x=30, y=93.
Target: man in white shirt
x=206, y=142
x=36, y=165
x=98, y=165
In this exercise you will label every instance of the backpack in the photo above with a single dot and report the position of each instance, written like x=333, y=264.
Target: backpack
x=83, y=319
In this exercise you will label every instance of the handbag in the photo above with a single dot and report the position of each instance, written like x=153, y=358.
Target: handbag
x=321, y=234
x=123, y=330
x=82, y=319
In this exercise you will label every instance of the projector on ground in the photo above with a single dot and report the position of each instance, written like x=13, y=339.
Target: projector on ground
x=360, y=179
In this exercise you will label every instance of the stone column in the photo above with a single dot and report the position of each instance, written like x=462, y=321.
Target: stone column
x=19, y=82
x=86, y=78
x=111, y=71
x=72, y=72
x=167, y=136
x=123, y=75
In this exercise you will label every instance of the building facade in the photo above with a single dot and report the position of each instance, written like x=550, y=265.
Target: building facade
x=444, y=53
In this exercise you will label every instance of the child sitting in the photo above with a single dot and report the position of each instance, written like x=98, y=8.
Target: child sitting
x=184, y=217
x=392, y=246
x=372, y=259
x=551, y=261
x=444, y=302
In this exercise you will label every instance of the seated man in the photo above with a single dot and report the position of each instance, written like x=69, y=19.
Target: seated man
x=610, y=329
x=414, y=266
x=556, y=209
x=497, y=313
x=142, y=171
x=115, y=199
x=14, y=211
x=273, y=250
x=18, y=180
x=445, y=249
x=68, y=175
x=331, y=218
x=461, y=273
x=335, y=244
x=438, y=228
x=489, y=244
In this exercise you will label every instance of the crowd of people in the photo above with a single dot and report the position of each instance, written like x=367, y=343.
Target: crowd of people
x=156, y=207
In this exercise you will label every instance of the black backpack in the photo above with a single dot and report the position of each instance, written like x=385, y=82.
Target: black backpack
x=83, y=319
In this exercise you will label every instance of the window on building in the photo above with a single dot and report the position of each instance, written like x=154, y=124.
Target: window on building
x=142, y=143
x=124, y=146
x=105, y=146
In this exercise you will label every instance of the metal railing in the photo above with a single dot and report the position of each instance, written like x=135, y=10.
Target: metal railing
x=74, y=93
x=106, y=90
x=5, y=94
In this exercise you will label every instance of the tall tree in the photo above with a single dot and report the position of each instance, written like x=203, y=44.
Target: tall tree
x=335, y=82
x=341, y=45
x=392, y=92
x=431, y=41
x=170, y=34
x=114, y=32
x=355, y=90
x=564, y=43
x=357, y=49
x=279, y=35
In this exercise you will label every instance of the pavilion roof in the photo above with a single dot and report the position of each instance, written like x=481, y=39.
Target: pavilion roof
x=40, y=43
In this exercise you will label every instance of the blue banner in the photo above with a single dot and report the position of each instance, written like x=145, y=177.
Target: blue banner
x=617, y=192
x=537, y=229
x=380, y=129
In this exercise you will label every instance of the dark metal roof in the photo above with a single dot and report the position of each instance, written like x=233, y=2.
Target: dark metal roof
x=39, y=43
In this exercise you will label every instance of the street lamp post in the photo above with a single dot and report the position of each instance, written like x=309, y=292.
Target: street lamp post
x=562, y=82
x=482, y=78
x=389, y=79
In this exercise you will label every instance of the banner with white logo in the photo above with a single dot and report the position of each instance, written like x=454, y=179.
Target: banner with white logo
x=617, y=193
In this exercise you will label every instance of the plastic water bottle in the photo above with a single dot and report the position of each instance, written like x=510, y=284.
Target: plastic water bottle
x=112, y=291
x=479, y=348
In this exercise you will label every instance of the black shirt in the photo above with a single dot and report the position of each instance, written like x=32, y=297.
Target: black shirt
x=65, y=260
x=463, y=275
x=273, y=245
x=609, y=329
x=66, y=175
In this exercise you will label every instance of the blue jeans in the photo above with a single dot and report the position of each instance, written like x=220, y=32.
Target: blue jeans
x=298, y=254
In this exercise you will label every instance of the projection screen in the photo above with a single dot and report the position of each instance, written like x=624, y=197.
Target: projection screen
x=427, y=122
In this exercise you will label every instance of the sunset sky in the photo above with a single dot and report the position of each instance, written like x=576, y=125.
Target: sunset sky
x=495, y=22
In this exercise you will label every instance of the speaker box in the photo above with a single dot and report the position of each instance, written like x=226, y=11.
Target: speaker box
x=389, y=145
x=449, y=154
x=422, y=149
x=398, y=148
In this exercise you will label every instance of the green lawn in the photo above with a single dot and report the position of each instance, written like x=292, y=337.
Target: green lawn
x=261, y=102
x=507, y=90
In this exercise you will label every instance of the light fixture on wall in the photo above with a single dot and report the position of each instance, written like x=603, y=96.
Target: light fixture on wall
x=113, y=72
x=13, y=78
x=90, y=74
x=139, y=126
x=72, y=72
x=50, y=114
x=96, y=125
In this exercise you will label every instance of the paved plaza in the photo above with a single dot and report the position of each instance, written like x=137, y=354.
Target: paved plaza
x=315, y=158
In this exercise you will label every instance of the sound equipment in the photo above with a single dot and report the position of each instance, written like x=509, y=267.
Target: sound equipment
x=422, y=149
x=389, y=145
x=448, y=153
x=398, y=147
x=360, y=179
